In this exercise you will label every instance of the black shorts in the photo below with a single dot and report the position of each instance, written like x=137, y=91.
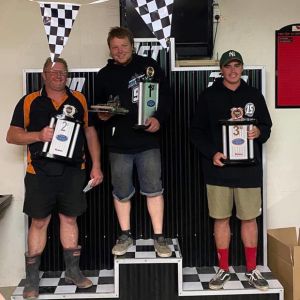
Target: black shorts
x=44, y=193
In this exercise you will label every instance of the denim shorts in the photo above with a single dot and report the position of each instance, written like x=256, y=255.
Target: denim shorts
x=148, y=165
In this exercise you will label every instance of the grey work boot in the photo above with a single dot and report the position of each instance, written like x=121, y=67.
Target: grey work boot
x=31, y=289
x=73, y=273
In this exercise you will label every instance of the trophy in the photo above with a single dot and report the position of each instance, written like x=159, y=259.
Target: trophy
x=65, y=135
x=112, y=106
x=147, y=98
x=236, y=145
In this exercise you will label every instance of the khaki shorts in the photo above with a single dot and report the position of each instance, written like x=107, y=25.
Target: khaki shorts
x=220, y=202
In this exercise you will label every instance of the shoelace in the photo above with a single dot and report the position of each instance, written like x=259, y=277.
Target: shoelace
x=220, y=273
x=255, y=274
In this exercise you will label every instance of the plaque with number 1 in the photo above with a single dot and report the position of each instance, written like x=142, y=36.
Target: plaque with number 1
x=148, y=92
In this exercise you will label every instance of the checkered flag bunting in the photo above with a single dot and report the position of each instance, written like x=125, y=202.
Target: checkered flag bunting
x=58, y=19
x=157, y=14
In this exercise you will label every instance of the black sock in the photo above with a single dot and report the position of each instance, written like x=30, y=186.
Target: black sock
x=156, y=236
x=126, y=232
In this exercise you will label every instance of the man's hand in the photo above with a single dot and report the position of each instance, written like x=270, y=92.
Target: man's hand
x=254, y=133
x=153, y=125
x=217, y=159
x=97, y=176
x=104, y=116
x=46, y=134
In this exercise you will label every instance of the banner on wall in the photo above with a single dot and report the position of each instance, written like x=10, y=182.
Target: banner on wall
x=58, y=19
x=157, y=15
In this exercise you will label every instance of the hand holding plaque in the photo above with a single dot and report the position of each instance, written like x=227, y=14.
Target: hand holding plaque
x=236, y=146
x=147, y=98
x=66, y=130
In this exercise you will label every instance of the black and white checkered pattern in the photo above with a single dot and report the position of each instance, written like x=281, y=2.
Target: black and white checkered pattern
x=197, y=279
x=144, y=249
x=54, y=286
x=193, y=281
x=58, y=20
x=157, y=14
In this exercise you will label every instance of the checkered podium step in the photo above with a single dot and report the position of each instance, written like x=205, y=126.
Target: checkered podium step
x=191, y=281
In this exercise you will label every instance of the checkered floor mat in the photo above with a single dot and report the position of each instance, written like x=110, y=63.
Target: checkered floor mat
x=197, y=279
x=144, y=249
x=53, y=286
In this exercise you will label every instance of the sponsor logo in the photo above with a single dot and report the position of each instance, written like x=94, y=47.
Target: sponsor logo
x=76, y=83
x=147, y=49
x=150, y=103
x=134, y=81
x=238, y=141
x=62, y=137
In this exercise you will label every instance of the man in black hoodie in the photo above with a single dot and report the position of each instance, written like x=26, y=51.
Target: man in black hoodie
x=128, y=146
x=228, y=184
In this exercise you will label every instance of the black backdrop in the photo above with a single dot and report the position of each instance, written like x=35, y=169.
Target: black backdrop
x=186, y=215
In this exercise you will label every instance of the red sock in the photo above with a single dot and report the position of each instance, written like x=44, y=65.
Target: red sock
x=223, y=259
x=250, y=254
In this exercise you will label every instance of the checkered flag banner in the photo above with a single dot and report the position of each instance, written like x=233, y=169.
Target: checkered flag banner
x=58, y=19
x=157, y=14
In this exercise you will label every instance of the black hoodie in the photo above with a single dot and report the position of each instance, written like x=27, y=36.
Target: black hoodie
x=113, y=80
x=215, y=104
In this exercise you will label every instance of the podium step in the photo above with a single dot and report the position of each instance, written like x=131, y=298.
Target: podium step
x=141, y=274
x=195, y=282
x=53, y=286
x=143, y=251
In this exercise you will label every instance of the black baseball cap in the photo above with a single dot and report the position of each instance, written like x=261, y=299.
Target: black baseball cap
x=229, y=56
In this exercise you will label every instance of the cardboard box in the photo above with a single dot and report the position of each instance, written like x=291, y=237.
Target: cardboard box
x=284, y=260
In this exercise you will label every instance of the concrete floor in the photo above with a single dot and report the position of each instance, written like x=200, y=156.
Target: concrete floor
x=7, y=292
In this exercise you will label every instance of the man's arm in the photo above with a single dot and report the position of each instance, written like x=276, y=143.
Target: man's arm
x=19, y=136
x=95, y=152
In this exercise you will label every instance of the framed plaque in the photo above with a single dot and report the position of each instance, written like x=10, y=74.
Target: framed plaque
x=287, y=66
x=148, y=93
x=64, y=138
x=236, y=146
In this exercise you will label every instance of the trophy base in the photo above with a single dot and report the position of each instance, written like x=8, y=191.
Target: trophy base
x=140, y=127
x=239, y=162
